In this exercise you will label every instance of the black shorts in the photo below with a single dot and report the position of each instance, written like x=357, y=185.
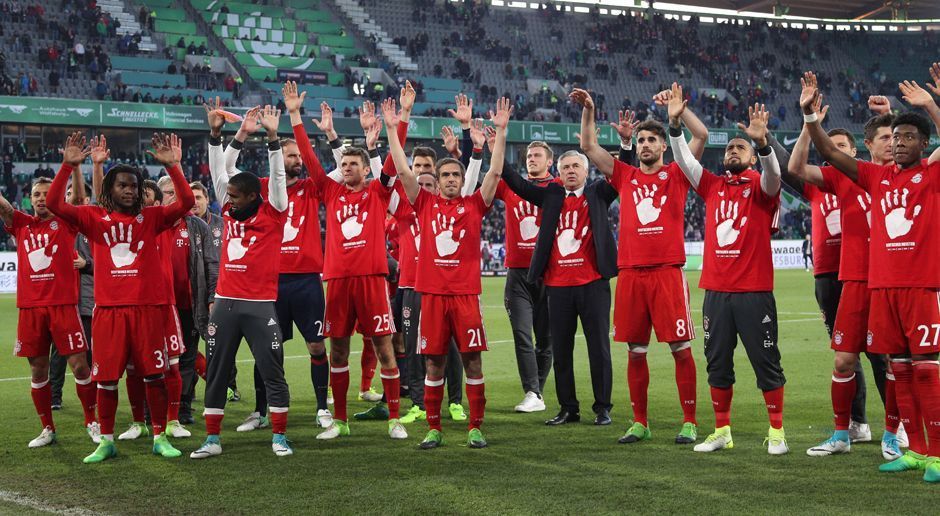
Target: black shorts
x=300, y=301
x=397, y=307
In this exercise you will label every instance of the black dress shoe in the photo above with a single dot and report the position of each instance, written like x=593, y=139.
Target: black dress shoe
x=564, y=417
x=187, y=419
x=602, y=418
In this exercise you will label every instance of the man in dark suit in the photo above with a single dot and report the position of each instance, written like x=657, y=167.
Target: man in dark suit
x=575, y=256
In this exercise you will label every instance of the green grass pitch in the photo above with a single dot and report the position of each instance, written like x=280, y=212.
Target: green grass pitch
x=528, y=469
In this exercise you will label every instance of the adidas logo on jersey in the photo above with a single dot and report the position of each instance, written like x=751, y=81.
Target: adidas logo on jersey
x=272, y=322
x=766, y=319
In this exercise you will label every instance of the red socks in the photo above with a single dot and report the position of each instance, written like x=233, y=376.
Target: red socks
x=892, y=419
x=476, y=397
x=391, y=383
x=721, y=401
x=774, y=401
x=339, y=379
x=86, y=395
x=638, y=381
x=42, y=400
x=200, y=365
x=214, y=421
x=136, y=396
x=278, y=417
x=368, y=362
x=908, y=406
x=156, y=398
x=686, y=381
x=927, y=390
x=433, y=395
x=842, y=391
x=107, y=407
x=174, y=390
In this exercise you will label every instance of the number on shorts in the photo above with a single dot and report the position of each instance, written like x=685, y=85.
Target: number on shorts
x=680, y=328
x=319, y=327
x=382, y=323
x=174, y=343
x=159, y=356
x=926, y=329
x=476, y=338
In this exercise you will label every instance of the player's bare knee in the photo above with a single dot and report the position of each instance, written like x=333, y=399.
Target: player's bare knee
x=640, y=349
x=845, y=363
x=435, y=365
x=316, y=348
x=676, y=347
x=472, y=364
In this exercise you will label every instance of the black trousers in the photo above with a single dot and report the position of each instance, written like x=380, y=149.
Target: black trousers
x=58, y=364
x=188, y=358
x=453, y=371
x=591, y=304
x=527, y=306
x=828, y=294
x=256, y=321
x=753, y=317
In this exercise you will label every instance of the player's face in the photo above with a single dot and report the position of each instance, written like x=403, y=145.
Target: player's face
x=150, y=198
x=38, y=197
x=880, y=146
x=650, y=147
x=429, y=183
x=450, y=180
x=739, y=156
x=169, y=194
x=238, y=198
x=572, y=172
x=843, y=144
x=354, y=170
x=422, y=165
x=537, y=161
x=908, y=144
x=124, y=192
x=293, y=165
x=202, y=204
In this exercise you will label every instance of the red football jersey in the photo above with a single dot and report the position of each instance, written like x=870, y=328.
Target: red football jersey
x=250, y=261
x=301, y=248
x=177, y=242
x=855, y=207
x=827, y=228
x=573, y=260
x=904, y=238
x=652, y=215
x=391, y=236
x=449, y=255
x=409, y=237
x=739, y=219
x=523, y=220
x=46, y=274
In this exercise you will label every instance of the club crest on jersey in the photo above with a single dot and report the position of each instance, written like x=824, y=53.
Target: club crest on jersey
x=211, y=329
x=918, y=177
x=460, y=210
x=406, y=312
x=634, y=182
x=869, y=338
x=327, y=329
x=837, y=338
x=139, y=218
x=365, y=196
x=94, y=368
x=216, y=232
x=424, y=342
x=747, y=192
x=705, y=322
x=184, y=233
x=17, y=347
x=662, y=175
x=300, y=193
x=54, y=225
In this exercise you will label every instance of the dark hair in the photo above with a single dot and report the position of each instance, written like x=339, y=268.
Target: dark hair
x=916, y=119
x=542, y=145
x=877, y=122
x=107, y=185
x=285, y=141
x=196, y=185
x=652, y=126
x=449, y=161
x=246, y=183
x=155, y=188
x=357, y=151
x=426, y=152
x=41, y=181
x=844, y=132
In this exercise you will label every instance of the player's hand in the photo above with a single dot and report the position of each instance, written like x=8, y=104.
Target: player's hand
x=464, y=111
x=676, y=105
x=914, y=95
x=490, y=133
x=292, y=100
x=581, y=98
x=477, y=136
x=626, y=124
x=270, y=119
x=250, y=123
x=100, y=153
x=662, y=98
x=367, y=115
x=819, y=108
x=372, y=135
x=935, y=75
x=757, y=129
x=503, y=112
x=215, y=119
x=167, y=149
x=75, y=150
x=325, y=123
x=809, y=92
x=407, y=97
x=879, y=104
x=390, y=114
x=451, y=145
x=79, y=263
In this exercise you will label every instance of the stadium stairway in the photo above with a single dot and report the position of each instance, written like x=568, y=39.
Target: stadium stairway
x=368, y=26
x=129, y=23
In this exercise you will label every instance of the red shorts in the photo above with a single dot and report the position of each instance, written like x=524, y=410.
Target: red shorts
x=652, y=298
x=360, y=298
x=849, y=332
x=172, y=332
x=41, y=326
x=444, y=317
x=904, y=320
x=124, y=334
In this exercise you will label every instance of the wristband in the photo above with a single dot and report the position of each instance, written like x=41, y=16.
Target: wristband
x=810, y=118
x=374, y=153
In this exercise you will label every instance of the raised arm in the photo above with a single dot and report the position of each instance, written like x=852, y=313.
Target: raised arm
x=293, y=101
x=691, y=122
x=919, y=97
x=758, y=133
x=74, y=153
x=168, y=151
x=6, y=211
x=100, y=154
x=799, y=168
x=828, y=150
x=409, y=181
x=500, y=120
x=625, y=126
x=250, y=124
x=601, y=158
x=277, y=184
x=463, y=115
x=475, y=164
x=683, y=155
x=77, y=192
x=216, y=157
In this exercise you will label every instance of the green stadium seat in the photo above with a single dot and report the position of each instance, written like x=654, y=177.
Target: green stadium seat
x=275, y=35
x=441, y=96
x=171, y=40
x=239, y=46
x=437, y=83
x=288, y=63
x=185, y=92
x=156, y=4
x=139, y=64
x=261, y=22
x=315, y=92
x=170, y=14
x=324, y=28
x=310, y=15
x=336, y=41
x=175, y=27
x=153, y=79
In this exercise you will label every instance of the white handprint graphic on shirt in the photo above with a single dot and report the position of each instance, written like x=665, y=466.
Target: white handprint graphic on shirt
x=645, y=200
x=864, y=200
x=236, y=241
x=416, y=234
x=830, y=209
x=444, y=239
x=290, y=232
x=726, y=215
x=36, y=251
x=566, y=235
x=526, y=214
x=120, y=243
x=894, y=206
x=350, y=221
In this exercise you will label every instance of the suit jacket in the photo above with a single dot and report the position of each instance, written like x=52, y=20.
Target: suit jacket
x=550, y=198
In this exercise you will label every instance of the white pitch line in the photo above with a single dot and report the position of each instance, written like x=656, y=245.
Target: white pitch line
x=39, y=505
